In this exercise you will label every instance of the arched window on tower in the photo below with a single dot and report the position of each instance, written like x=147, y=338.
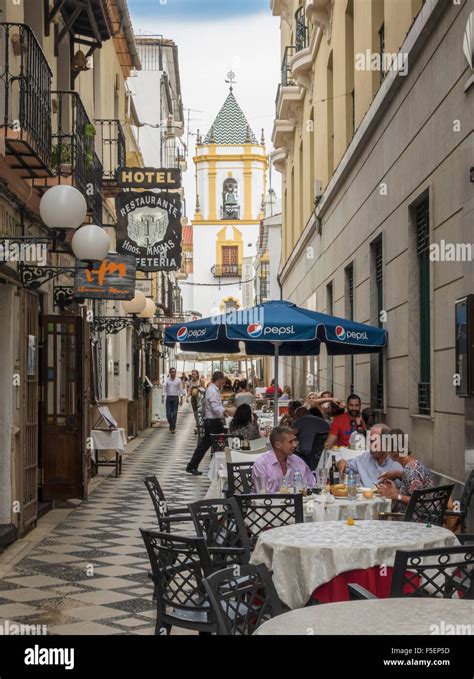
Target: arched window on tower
x=230, y=200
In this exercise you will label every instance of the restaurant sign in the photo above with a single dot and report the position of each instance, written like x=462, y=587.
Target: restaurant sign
x=113, y=278
x=149, y=228
x=148, y=178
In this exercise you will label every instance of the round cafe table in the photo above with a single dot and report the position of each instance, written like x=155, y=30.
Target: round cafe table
x=327, y=508
x=405, y=616
x=309, y=558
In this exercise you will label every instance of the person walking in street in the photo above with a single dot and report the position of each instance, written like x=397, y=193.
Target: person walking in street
x=174, y=395
x=194, y=387
x=214, y=412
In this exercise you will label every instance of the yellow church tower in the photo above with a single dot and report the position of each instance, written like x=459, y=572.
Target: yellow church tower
x=231, y=175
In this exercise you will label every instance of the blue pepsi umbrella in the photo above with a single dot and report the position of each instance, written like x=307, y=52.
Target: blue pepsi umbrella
x=276, y=328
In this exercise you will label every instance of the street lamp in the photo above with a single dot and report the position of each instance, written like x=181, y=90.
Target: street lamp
x=90, y=243
x=64, y=207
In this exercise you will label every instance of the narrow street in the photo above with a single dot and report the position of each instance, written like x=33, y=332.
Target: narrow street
x=89, y=575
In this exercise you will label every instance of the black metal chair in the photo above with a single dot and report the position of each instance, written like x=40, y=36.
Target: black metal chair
x=221, y=524
x=443, y=572
x=465, y=502
x=427, y=505
x=242, y=598
x=237, y=475
x=270, y=510
x=179, y=565
x=466, y=538
x=164, y=514
x=246, y=480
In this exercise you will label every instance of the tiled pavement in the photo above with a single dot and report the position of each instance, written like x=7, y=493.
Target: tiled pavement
x=90, y=575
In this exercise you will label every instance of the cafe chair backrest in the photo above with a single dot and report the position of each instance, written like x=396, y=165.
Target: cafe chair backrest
x=178, y=566
x=446, y=572
x=429, y=505
x=219, y=521
x=235, y=470
x=242, y=456
x=159, y=501
x=241, y=600
x=269, y=510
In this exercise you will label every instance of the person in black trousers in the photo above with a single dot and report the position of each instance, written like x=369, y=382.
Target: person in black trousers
x=214, y=412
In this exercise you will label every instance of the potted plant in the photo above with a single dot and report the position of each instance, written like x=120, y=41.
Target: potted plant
x=89, y=136
x=61, y=158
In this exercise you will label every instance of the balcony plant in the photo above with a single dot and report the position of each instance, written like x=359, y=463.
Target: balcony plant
x=61, y=158
x=89, y=136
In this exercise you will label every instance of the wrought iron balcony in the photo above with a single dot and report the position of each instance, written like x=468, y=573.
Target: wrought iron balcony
x=227, y=271
x=25, y=100
x=73, y=154
x=301, y=29
x=110, y=146
x=286, y=74
x=230, y=212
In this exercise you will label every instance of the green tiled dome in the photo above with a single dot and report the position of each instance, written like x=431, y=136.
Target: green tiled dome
x=230, y=126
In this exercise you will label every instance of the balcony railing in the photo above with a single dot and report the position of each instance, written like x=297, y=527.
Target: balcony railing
x=25, y=99
x=424, y=398
x=301, y=32
x=73, y=149
x=286, y=74
x=227, y=271
x=230, y=212
x=110, y=146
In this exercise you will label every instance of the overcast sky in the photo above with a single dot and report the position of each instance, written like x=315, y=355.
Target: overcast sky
x=214, y=36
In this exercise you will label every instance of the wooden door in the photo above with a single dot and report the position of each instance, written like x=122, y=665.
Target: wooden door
x=29, y=409
x=62, y=445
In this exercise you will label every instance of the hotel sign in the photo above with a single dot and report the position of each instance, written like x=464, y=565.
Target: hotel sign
x=113, y=278
x=149, y=228
x=148, y=178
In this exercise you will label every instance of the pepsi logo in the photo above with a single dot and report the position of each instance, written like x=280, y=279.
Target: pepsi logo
x=254, y=329
x=182, y=334
x=340, y=332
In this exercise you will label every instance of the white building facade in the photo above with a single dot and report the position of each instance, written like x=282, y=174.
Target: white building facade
x=231, y=171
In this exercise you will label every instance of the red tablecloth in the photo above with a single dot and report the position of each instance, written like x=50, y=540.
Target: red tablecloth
x=377, y=580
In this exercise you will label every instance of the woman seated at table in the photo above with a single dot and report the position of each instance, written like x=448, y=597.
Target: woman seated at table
x=243, y=424
x=243, y=395
x=286, y=394
x=415, y=475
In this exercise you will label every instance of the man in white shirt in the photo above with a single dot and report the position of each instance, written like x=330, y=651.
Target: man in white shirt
x=214, y=412
x=173, y=393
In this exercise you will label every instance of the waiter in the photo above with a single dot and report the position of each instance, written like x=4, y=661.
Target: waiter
x=173, y=393
x=214, y=412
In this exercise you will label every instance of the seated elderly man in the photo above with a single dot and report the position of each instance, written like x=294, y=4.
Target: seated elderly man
x=414, y=475
x=270, y=468
x=375, y=462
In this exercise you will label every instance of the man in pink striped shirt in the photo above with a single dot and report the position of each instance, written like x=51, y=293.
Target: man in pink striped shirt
x=270, y=468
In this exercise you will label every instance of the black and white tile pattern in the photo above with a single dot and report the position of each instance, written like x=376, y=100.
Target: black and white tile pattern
x=90, y=575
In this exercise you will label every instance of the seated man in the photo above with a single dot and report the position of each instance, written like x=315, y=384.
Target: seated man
x=312, y=433
x=270, y=468
x=344, y=425
x=372, y=464
x=414, y=475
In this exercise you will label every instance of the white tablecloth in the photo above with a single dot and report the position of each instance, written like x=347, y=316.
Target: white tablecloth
x=316, y=508
x=115, y=439
x=306, y=555
x=404, y=616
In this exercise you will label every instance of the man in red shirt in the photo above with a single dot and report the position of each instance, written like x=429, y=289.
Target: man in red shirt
x=343, y=425
x=271, y=390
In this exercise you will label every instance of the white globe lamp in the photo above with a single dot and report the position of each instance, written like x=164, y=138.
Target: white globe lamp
x=149, y=310
x=63, y=207
x=135, y=305
x=90, y=243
